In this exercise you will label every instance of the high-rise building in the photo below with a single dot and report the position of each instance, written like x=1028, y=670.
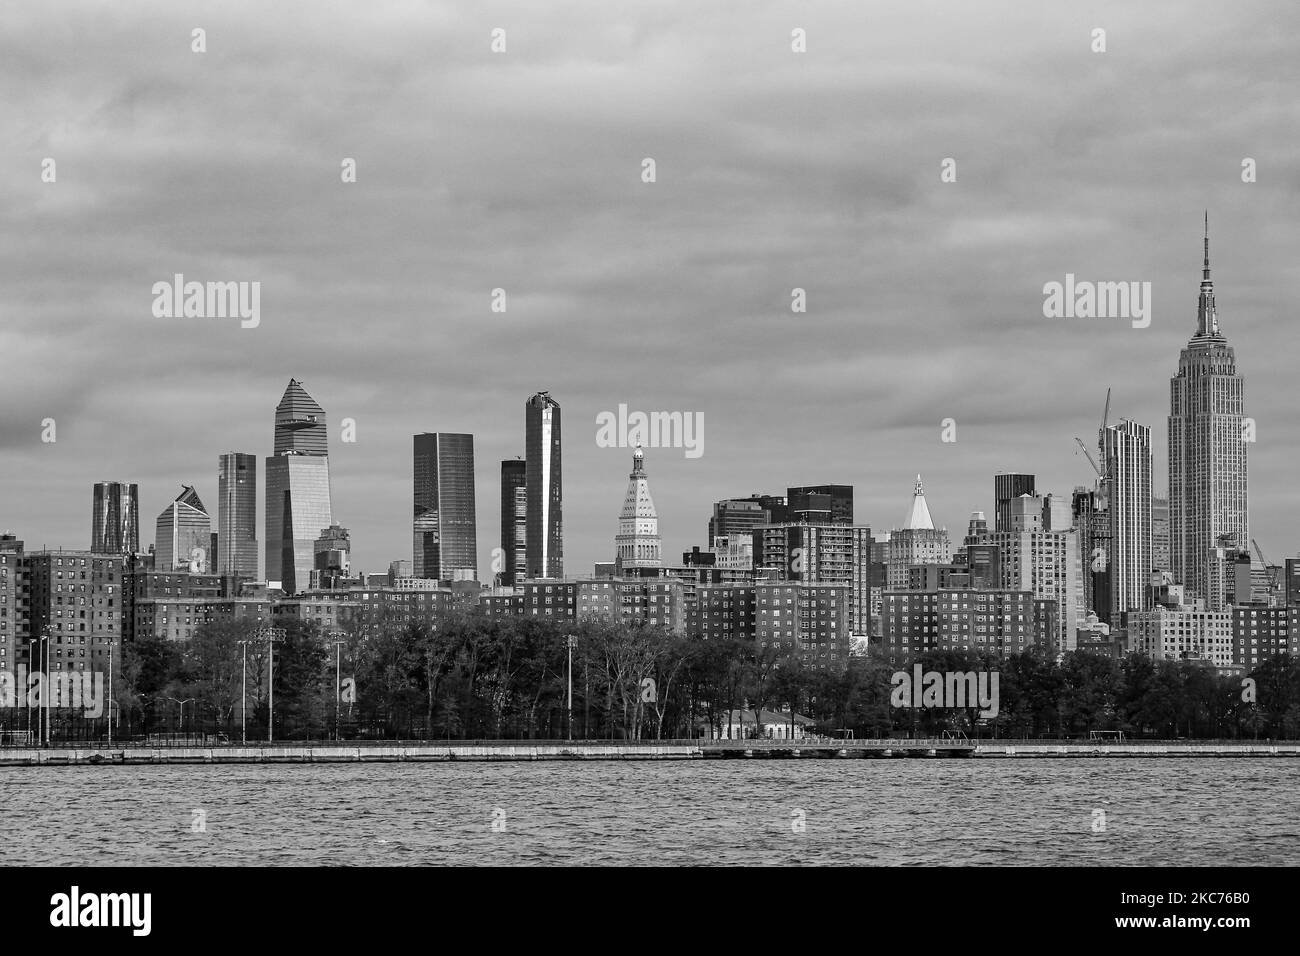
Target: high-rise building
x=237, y=515
x=737, y=517
x=545, y=537
x=820, y=554
x=1091, y=512
x=514, y=520
x=1159, y=533
x=821, y=504
x=917, y=542
x=184, y=534
x=297, y=489
x=332, y=558
x=1007, y=488
x=1044, y=562
x=1127, y=453
x=115, y=518
x=1207, y=450
x=444, y=530
x=13, y=611
x=637, y=544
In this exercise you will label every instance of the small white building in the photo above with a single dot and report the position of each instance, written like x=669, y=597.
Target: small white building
x=772, y=724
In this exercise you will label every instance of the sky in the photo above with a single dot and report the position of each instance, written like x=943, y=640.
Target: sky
x=522, y=170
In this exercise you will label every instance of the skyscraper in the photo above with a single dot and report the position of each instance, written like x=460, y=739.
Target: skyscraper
x=514, y=520
x=917, y=542
x=545, y=538
x=637, y=543
x=1006, y=489
x=115, y=518
x=1126, y=448
x=184, y=534
x=445, y=527
x=297, y=489
x=1207, y=450
x=237, y=515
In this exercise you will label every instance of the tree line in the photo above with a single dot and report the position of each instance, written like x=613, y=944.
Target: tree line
x=475, y=677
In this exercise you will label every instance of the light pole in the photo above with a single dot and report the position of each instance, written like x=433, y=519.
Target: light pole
x=108, y=702
x=571, y=642
x=182, y=703
x=338, y=681
x=45, y=687
x=243, y=694
x=273, y=634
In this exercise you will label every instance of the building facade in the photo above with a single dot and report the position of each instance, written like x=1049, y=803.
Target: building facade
x=514, y=522
x=444, y=530
x=917, y=542
x=545, y=518
x=637, y=543
x=237, y=515
x=298, y=502
x=183, y=535
x=1127, y=452
x=1208, y=495
x=115, y=518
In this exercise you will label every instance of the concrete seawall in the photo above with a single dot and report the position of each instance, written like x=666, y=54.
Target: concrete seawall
x=648, y=750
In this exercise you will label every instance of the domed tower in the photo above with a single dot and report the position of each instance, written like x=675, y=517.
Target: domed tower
x=637, y=543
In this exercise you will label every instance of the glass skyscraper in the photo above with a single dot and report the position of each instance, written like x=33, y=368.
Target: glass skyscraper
x=1207, y=450
x=184, y=535
x=514, y=520
x=298, y=505
x=237, y=515
x=115, y=518
x=444, y=531
x=545, y=546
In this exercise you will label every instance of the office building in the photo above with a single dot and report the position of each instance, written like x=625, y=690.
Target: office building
x=237, y=515
x=1208, y=497
x=1007, y=488
x=444, y=531
x=514, y=522
x=115, y=518
x=637, y=543
x=184, y=535
x=297, y=489
x=545, y=518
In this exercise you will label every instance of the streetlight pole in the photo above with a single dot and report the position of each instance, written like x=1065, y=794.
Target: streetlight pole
x=338, y=684
x=27, y=691
x=243, y=695
x=570, y=641
x=273, y=634
x=45, y=687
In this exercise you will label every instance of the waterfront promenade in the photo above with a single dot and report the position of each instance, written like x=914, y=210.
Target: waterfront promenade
x=530, y=750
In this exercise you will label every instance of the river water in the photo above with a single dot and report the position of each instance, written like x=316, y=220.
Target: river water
x=1122, y=811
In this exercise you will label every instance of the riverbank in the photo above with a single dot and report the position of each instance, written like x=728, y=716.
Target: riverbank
x=628, y=750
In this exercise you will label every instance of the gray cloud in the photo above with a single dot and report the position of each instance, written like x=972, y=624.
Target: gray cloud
x=522, y=171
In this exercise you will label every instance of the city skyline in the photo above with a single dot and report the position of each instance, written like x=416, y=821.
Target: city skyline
x=924, y=298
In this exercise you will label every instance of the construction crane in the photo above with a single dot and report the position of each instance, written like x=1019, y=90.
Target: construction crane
x=1101, y=442
x=1271, y=570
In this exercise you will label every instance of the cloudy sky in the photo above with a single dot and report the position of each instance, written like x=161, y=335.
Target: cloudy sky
x=522, y=170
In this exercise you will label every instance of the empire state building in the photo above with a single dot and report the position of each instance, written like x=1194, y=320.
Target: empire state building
x=1207, y=451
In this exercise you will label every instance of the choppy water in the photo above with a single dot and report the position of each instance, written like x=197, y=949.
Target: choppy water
x=873, y=812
